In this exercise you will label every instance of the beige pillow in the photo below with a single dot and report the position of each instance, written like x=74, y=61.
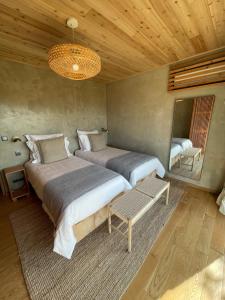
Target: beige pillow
x=97, y=141
x=52, y=150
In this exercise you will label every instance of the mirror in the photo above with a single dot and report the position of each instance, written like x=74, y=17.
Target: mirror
x=191, y=122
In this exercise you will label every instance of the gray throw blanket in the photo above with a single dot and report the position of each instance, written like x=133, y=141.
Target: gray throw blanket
x=63, y=190
x=126, y=163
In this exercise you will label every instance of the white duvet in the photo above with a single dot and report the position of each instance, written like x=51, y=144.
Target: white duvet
x=184, y=143
x=81, y=208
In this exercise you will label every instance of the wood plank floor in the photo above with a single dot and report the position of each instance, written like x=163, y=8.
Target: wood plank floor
x=186, y=262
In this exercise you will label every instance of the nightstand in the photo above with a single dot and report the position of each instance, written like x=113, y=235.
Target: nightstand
x=17, y=182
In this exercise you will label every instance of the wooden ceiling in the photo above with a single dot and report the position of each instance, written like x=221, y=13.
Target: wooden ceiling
x=131, y=36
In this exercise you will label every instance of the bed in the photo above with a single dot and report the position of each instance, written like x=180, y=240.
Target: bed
x=87, y=210
x=133, y=166
x=184, y=143
x=175, y=154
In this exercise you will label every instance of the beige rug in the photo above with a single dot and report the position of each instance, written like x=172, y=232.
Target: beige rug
x=100, y=268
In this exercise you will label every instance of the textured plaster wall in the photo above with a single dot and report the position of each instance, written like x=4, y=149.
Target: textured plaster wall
x=182, y=118
x=38, y=101
x=140, y=115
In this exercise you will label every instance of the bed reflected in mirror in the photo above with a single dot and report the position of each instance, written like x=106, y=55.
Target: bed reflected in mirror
x=191, y=122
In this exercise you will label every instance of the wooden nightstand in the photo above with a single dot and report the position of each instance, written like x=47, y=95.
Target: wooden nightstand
x=17, y=182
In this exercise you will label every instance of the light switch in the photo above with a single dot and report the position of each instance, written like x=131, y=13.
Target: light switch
x=17, y=153
x=4, y=138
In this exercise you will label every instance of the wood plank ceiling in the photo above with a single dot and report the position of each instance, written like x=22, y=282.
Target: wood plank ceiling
x=131, y=36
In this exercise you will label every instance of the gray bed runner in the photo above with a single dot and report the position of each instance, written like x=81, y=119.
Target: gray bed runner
x=63, y=190
x=126, y=163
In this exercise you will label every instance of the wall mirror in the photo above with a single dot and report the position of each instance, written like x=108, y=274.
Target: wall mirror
x=191, y=122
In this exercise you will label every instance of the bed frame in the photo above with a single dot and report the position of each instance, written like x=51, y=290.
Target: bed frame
x=83, y=228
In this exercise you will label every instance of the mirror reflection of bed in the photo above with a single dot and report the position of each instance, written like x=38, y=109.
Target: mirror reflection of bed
x=191, y=122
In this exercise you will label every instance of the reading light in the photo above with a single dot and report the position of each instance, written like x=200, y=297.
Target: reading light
x=104, y=130
x=16, y=139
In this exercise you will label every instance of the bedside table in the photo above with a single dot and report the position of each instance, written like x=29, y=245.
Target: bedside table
x=17, y=182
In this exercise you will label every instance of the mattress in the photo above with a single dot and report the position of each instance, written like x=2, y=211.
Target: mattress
x=87, y=204
x=103, y=156
x=184, y=143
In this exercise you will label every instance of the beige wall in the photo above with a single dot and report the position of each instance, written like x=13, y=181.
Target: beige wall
x=140, y=114
x=38, y=101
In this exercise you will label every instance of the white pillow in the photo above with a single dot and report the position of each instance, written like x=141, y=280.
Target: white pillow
x=84, y=142
x=31, y=139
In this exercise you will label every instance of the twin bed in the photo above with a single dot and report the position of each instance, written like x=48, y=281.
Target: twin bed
x=85, y=197
x=133, y=166
x=75, y=191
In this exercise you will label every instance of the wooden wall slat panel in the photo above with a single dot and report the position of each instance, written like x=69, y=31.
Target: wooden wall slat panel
x=210, y=71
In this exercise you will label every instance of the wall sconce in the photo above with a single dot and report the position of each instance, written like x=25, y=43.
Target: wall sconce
x=16, y=139
x=104, y=130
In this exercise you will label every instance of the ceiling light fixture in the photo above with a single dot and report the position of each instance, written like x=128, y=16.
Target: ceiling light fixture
x=72, y=60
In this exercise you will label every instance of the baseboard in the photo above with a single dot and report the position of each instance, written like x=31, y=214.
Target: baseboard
x=191, y=184
x=202, y=188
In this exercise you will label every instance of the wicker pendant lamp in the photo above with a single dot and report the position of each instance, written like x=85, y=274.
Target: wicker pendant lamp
x=72, y=60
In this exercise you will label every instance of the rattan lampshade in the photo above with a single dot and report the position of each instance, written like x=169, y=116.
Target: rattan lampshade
x=74, y=61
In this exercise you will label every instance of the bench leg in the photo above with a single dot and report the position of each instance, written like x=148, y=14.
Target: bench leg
x=193, y=164
x=129, y=236
x=167, y=195
x=109, y=220
x=180, y=161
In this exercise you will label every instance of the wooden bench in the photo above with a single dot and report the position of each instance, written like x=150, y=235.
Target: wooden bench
x=130, y=207
x=193, y=153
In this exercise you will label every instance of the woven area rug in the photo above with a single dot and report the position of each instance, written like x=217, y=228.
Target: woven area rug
x=100, y=268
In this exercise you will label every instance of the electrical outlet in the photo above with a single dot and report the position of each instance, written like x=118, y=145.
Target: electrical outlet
x=17, y=153
x=4, y=138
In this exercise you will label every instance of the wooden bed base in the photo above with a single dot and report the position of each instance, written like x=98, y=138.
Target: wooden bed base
x=83, y=228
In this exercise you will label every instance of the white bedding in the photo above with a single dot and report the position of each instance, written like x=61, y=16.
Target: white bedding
x=78, y=210
x=175, y=149
x=184, y=143
x=101, y=158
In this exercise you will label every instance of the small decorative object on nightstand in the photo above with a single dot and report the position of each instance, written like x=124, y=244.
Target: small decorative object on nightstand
x=17, y=182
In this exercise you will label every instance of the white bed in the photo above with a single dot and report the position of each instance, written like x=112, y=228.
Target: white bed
x=103, y=156
x=184, y=143
x=83, y=207
x=175, y=151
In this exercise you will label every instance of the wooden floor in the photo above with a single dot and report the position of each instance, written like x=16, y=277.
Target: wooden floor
x=186, y=262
